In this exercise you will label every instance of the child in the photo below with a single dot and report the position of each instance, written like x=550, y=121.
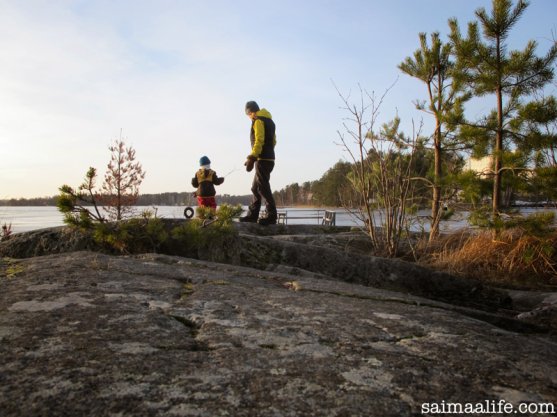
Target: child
x=205, y=180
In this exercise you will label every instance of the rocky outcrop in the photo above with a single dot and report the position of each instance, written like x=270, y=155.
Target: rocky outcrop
x=280, y=251
x=314, y=250
x=47, y=242
x=538, y=308
x=85, y=333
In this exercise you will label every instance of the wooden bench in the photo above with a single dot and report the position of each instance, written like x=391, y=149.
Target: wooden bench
x=328, y=218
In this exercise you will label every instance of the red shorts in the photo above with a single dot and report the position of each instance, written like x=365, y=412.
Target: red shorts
x=207, y=202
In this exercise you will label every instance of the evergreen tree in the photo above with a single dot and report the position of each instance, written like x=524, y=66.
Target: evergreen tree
x=487, y=67
x=123, y=177
x=432, y=65
x=333, y=188
x=535, y=128
x=536, y=132
x=307, y=194
x=72, y=202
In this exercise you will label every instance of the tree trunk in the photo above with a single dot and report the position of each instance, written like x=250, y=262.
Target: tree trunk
x=498, y=149
x=436, y=201
x=497, y=155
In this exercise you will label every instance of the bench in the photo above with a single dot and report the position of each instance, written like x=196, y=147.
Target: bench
x=328, y=218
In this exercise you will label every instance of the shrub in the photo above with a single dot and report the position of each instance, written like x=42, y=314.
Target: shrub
x=196, y=236
x=227, y=212
x=72, y=203
x=137, y=235
x=151, y=234
x=6, y=232
x=205, y=213
x=538, y=224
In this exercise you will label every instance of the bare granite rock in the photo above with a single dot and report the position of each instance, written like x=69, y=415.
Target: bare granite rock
x=47, y=242
x=298, y=248
x=319, y=252
x=90, y=334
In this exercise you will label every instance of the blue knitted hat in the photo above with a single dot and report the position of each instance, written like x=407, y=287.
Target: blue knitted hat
x=204, y=161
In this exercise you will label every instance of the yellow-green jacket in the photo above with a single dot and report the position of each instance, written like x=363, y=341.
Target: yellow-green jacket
x=262, y=136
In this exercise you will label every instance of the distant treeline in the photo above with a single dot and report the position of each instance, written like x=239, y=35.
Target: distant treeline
x=187, y=199
x=332, y=189
x=162, y=199
x=39, y=201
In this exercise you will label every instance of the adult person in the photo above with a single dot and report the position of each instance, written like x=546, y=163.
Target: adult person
x=262, y=157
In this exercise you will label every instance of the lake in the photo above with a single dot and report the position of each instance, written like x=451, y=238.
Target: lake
x=24, y=219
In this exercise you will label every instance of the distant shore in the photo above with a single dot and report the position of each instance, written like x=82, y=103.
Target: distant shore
x=186, y=199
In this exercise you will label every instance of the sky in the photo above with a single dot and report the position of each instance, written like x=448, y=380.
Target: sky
x=171, y=77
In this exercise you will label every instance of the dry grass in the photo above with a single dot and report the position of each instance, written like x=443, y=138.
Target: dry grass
x=509, y=257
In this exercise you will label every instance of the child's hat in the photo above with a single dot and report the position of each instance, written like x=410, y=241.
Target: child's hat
x=204, y=161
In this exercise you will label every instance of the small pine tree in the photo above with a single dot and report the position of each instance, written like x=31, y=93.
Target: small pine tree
x=118, y=193
x=72, y=203
x=432, y=65
x=123, y=177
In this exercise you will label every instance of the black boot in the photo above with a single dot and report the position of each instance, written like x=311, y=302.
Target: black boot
x=270, y=218
x=252, y=216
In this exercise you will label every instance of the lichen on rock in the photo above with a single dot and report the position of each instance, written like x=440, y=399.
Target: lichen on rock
x=288, y=326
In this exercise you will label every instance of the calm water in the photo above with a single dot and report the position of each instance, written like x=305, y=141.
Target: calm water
x=24, y=219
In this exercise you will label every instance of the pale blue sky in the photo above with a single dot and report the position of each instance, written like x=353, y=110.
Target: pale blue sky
x=175, y=75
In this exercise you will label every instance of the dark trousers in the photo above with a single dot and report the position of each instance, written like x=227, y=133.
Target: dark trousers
x=261, y=188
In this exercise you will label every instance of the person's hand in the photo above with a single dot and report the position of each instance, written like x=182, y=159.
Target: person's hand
x=250, y=162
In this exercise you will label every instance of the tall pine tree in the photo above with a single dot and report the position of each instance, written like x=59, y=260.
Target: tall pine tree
x=432, y=65
x=487, y=67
